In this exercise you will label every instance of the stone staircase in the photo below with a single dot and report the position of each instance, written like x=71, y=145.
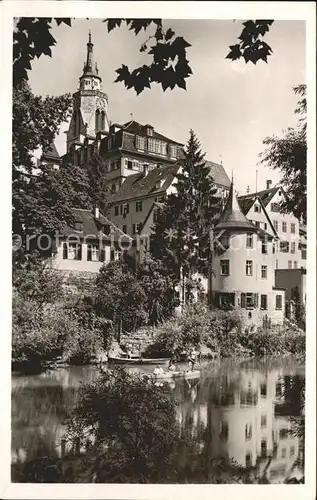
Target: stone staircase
x=137, y=341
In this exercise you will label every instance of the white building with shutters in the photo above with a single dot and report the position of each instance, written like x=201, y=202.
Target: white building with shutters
x=243, y=267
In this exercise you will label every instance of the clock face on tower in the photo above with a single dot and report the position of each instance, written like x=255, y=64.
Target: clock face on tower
x=101, y=103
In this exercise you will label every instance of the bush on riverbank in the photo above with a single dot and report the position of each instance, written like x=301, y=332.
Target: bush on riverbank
x=221, y=332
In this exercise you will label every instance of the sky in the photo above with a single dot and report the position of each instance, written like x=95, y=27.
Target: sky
x=231, y=106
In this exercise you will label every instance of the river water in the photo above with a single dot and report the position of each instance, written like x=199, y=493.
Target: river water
x=243, y=410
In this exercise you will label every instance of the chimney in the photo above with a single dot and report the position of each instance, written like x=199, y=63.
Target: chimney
x=268, y=184
x=96, y=212
x=145, y=169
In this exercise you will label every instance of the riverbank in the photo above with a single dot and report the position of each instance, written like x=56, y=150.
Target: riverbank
x=213, y=333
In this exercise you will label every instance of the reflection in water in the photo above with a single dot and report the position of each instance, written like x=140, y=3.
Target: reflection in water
x=246, y=412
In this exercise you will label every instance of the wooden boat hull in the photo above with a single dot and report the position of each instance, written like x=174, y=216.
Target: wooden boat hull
x=179, y=374
x=137, y=361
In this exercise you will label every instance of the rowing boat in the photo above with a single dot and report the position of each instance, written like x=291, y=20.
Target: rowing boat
x=124, y=360
x=178, y=374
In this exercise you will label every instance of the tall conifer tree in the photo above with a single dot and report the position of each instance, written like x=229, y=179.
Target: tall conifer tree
x=181, y=236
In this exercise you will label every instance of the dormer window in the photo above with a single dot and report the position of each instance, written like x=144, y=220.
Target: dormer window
x=257, y=208
x=140, y=142
x=173, y=151
x=149, y=130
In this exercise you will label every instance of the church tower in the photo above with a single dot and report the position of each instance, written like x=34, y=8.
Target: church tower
x=90, y=104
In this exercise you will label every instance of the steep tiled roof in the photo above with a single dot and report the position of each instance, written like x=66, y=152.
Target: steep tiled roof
x=245, y=204
x=232, y=217
x=136, y=128
x=91, y=226
x=218, y=174
x=266, y=195
x=138, y=185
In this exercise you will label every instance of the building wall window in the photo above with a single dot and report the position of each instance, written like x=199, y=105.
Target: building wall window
x=265, y=226
x=257, y=208
x=136, y=228
x=72, y=251
x=116, y=210
x=275, y=225
x=140, y=142
x=273, y=247
x=95, y=254
x=264, y=301
x=248, y=459
x=224, y=300
x=124, y=228
x=138, y=206
x=249, y=300
x=224, y=267
x=284, y=246
x=289, y=264
x=248, y=432
x=264, y=272
x=293, y=227
x=249, y=242
x=263, y=421
x=158, y=147
x=224, y=431
x=263, y=448
x=263, y=390
x=275, y=207
x=278, y=302
x=249, y=268
x=295, y=264
x=293, y=245
x=173, y=150
x=264, y=246
x=284, y=227
x=257, y=223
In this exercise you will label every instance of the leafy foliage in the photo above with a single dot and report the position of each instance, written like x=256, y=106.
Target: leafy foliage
x=42, y=197
x=181, y=236
x=97, y=180
x=222, y=334
x=120, y=297
x=47, y=323
x=251, y=45
x=288, y=154
x=32, y=38
x=169, y=64
x=159, y=290
x=132, y=416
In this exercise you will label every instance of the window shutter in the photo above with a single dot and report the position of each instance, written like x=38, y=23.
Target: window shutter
x=102, y=255
x=65, y=251
x=88, y=252
x=242, y=299
x=112, y=255
x=255, y=299
x=79, y=252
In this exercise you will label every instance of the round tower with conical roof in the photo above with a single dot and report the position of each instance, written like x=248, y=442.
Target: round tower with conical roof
x=243, y=266
x=90, y=104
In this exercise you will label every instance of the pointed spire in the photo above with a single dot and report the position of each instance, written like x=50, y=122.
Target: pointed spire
x=232, y=216
x=90, y=67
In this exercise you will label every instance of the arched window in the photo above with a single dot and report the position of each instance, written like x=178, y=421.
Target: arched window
x=97, y=122
x=103, y=120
